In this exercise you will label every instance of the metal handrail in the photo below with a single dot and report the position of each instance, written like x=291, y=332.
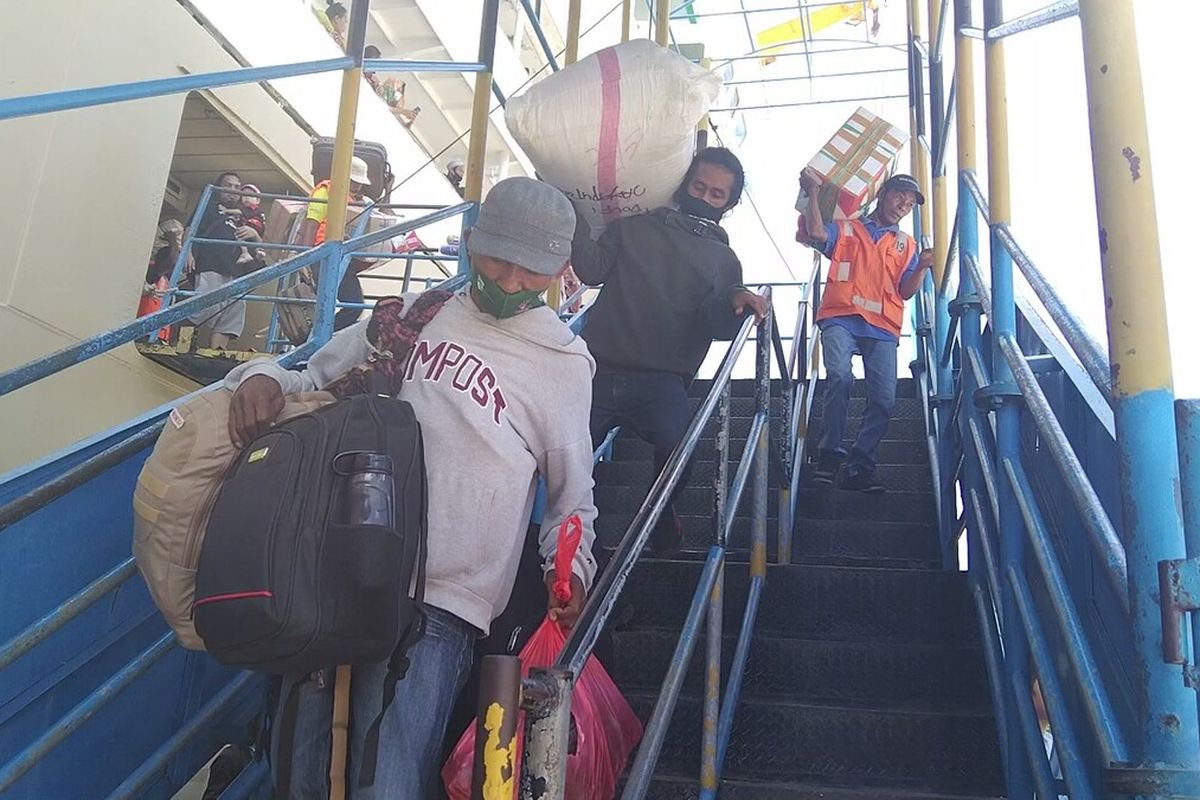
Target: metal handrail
x=1063, y=9
x=998, y=579
x=1089, y=352
x=1104, y=537
x=802, y=402
x=605, y=592
x=26, y=374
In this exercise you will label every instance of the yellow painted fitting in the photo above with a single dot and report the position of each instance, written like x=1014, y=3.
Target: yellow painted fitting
x=498, y=773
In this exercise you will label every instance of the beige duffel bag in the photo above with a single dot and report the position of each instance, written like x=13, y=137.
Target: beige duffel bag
x=175, y=493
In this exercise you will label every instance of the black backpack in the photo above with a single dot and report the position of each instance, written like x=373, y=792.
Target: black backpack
x=281, y=585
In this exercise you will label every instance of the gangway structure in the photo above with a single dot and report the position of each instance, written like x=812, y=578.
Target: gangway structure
x=1014, y=619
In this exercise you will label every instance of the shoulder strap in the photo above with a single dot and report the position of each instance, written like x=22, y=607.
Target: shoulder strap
x=393, y=334
x=398, y=662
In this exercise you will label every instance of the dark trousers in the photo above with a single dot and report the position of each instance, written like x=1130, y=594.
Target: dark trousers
x=349, y=291
x=879, y=364
x=653, y=405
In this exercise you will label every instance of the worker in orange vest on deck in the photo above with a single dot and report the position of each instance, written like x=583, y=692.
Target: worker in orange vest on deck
x=874, y=268
x=312, y=233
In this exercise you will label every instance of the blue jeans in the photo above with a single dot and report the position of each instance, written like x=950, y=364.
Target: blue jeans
x=410, y=740
x=879, y=364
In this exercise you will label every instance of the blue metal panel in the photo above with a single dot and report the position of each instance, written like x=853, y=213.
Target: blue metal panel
x=61, y=549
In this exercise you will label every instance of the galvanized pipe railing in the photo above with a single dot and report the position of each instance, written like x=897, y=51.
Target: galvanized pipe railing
x=26, y=374
x=1103, y=535
x=1092, y=693
x=1089, y=352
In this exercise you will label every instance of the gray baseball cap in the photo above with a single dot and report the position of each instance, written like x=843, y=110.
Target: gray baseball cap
x=526, y=222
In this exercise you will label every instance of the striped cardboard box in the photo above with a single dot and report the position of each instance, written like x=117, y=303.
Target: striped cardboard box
x=854, y=164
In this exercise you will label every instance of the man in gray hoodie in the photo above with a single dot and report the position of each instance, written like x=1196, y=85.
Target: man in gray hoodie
x=502, y=391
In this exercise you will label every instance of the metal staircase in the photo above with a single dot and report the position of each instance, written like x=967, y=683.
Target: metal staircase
x=865, y=677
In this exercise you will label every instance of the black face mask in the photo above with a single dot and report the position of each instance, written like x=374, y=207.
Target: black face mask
x=698, y=208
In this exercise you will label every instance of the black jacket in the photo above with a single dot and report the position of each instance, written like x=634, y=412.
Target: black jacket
x=222, y=259
x=668, y=284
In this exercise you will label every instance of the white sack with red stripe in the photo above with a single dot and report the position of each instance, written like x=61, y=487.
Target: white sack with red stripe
x=615, y=131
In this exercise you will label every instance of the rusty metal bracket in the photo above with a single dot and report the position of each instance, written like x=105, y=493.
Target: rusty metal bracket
x=994, y=395
x=1179, y=592
x=960, y=305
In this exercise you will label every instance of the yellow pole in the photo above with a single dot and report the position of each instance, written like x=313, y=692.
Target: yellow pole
x=920, y=159
x=335, y=231
x=480, y=107
x=1140, y=353
x=999, y=196
x=941, y=237
x=964, y=71
x=1130, y=252
x=574, y=12
x=626, y=19
x=662, y=27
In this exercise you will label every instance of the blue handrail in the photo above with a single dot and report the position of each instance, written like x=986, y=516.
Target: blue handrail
x=1086, y=713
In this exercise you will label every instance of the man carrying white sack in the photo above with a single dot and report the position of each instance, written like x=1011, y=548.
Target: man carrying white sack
x=672, y=285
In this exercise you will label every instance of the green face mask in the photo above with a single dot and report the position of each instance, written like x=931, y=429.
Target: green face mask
x=499, y=303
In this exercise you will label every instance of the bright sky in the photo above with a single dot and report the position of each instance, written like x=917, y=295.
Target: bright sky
x=1054, y=207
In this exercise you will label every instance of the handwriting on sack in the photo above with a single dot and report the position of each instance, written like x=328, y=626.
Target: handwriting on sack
x=468, y=374
x=623, y=200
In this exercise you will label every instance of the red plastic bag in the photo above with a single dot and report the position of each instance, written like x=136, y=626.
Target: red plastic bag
x=606, y=728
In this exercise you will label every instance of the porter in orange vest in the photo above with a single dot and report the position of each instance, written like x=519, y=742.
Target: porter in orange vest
x=874, y=268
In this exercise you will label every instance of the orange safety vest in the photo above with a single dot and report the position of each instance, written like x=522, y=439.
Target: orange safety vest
x=320, y=237
x=864, y=277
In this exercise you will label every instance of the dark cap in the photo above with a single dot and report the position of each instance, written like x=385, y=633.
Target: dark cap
x=904, y=183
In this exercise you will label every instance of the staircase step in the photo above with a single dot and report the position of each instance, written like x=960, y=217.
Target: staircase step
x=780, y=740
x=891, y=451
x=878, y=541
x=906, y=388
x=811, y=504
x=903, y=676
x=640, y=474
x=744, y=407
x=846, y=543
x=905, y=408
x=816, y=602
x=686, y=788
x=897, y=478
x=916, y=507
